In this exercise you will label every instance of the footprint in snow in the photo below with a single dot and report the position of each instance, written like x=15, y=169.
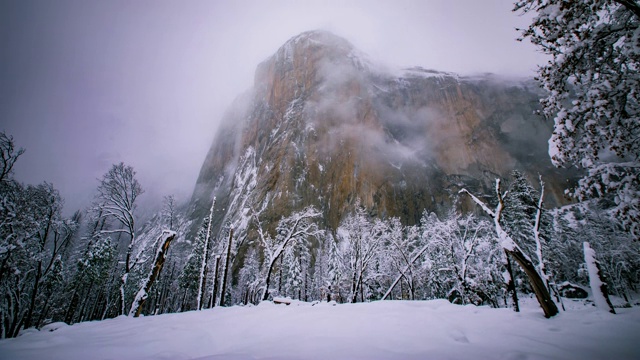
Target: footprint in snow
x=458, y=336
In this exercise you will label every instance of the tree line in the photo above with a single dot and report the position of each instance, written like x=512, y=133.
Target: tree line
x=100, y=263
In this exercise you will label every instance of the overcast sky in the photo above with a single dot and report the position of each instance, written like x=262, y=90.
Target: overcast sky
x=85, y=84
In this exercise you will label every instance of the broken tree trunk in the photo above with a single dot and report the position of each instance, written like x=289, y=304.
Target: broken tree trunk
x=511, y=248
x=161, y=256
x=596, y=280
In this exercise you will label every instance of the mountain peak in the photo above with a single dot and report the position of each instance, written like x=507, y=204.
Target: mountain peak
x=318, y=38
x=325, y=127
x=295, y=67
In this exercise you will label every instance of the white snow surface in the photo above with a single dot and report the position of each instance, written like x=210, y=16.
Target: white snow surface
x=432, y=329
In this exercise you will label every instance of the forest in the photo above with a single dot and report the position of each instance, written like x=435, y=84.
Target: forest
x=100, y=263
x=103, y=261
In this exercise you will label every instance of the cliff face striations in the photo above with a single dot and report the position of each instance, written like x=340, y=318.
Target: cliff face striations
x=325, y=126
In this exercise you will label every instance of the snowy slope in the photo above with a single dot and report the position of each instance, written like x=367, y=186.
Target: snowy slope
x=379, y=330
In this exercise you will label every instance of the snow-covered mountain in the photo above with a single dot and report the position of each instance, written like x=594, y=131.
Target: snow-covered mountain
x=324, y=125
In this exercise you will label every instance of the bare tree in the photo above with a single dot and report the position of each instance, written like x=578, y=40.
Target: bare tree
x=361, y=240
x=291, y=229
x=117, y=194
x=169, y=210
x=8, y=155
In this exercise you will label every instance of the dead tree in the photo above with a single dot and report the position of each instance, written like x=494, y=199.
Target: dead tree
x=161, y=256
x=117, y=193
x=597, y=280
x=536, y=236
x=512, y=249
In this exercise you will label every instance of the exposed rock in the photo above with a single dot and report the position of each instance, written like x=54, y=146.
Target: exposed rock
x=324, y=126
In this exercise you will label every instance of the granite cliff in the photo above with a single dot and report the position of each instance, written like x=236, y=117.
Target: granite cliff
x=323, y=125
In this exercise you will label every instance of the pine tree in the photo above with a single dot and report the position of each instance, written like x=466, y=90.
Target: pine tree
x=512, y=249
x=593, y=95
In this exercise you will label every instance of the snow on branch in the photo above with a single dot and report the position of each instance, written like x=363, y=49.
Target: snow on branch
x=479, y=202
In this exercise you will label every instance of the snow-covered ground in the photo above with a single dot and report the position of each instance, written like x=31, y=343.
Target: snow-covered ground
x=378, y=330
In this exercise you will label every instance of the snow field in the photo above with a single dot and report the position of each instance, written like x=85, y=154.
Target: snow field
x=432, y=329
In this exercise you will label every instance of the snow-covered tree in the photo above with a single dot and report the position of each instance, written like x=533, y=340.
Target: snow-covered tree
x=188, y=281
x=618, y=253
x=116, y=199
x=53, y=237
x=597, y=280
x=204, y=245
x=564, y=257
x=290, y=230
x=90, y=281
x=593, y=94
x=528, y=223
x=520, y=206
x=460, y=242
x=193, y=277
x=292, y=271
x=9, y=154
x=249, y=278
x=169, y=211
x=404, y=246
x=360, y=239
x=512, y=249
x=335, y=270
x=33, y=237
x=161, y=255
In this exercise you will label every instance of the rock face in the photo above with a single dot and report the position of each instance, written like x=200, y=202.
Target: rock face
x=325, y=126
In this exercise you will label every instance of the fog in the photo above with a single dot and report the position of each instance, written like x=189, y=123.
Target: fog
x=85, y=84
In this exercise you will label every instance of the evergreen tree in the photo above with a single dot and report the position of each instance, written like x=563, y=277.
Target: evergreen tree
x=593, y=95
x=192, y=274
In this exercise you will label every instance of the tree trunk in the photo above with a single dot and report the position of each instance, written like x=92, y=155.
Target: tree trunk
x=214, y=292
x=267, y=282
x=597, y=280
x=161, y=256
x=34, y=295
x=354, y=287
x=84, y=303
x=184, y=299
x=205, y=261
x=511, y=248
x=511, y=284
x=72, y=307
x=280, y=277
x=44, y=312
x=123, y=283
x=226, y=269
x=544, y=298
